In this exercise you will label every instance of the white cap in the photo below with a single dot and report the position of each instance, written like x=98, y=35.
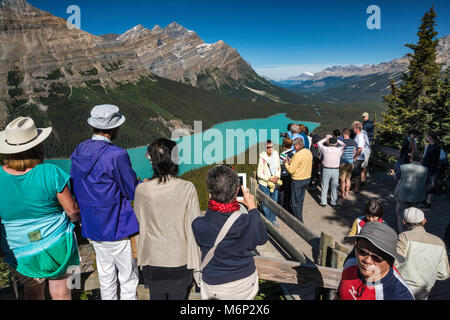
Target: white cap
x=106, y=117
x=413, y=215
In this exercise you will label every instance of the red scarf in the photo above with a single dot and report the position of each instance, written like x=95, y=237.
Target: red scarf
x=223, y=207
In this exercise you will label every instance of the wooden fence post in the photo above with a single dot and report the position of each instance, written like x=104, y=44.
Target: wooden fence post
x=325, y=242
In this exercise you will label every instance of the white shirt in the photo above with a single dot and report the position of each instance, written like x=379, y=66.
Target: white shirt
x=361, y=142
x=272, y=164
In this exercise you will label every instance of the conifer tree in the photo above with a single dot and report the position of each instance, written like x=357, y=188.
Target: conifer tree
x=421, y=102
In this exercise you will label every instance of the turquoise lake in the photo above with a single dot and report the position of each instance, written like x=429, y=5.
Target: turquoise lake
x=214, y=145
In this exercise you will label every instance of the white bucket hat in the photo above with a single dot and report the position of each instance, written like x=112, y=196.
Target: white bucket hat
x=21, y=135
x=106, y=117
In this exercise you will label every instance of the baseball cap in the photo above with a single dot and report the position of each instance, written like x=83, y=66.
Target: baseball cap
x=365, y=114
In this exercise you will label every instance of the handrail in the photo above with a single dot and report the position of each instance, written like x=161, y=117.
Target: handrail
x=292, y=272
x=386, y=150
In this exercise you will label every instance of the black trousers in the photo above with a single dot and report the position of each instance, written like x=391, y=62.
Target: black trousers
x=284, y=194
x=178, y=296
x=167, y=283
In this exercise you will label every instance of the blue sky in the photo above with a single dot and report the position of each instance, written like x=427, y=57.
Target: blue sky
x=279, y=38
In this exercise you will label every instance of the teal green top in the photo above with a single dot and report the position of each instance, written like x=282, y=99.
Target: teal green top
x=37, y=235
x=32, y=195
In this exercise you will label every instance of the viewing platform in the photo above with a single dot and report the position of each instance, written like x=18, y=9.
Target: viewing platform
x=306, y=259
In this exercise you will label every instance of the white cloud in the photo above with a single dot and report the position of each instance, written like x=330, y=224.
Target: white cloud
x=282, y=72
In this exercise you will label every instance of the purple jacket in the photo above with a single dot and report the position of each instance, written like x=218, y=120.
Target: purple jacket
x=104, y=184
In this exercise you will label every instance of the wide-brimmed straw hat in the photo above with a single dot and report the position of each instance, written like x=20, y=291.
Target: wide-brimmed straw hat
x=106, y=117
x=21, y=135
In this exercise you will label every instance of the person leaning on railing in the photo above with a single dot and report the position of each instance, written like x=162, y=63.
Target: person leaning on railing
x=36, y=208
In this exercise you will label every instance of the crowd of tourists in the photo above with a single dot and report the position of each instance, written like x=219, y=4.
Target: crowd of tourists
x=308, y=161
x=337, y=160
x=155, y=228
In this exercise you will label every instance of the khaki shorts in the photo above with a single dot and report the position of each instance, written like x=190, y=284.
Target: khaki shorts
x=32, y=282
x=345, y=171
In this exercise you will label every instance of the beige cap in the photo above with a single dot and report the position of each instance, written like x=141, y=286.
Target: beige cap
x=365, y=114
x=413, y=215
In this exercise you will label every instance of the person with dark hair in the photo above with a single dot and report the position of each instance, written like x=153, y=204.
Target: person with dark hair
x=372, y=212
x=36, y=210
x=425, y=254
x=346, y=165
x=289, y=131
x=411, y=189
x=284, y=194
x=308, y=135
x=409, y=145
x=317, y=163
x=104, y=184
x=269, y=178
x=430, y=160
x=304, y=135
x=231, y=272
x=337, y=134
x=369, y=272
x=165, y=207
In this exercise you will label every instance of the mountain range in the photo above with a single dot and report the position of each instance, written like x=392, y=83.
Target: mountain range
x=39, y=49
x=162, y=79
x=367, y=82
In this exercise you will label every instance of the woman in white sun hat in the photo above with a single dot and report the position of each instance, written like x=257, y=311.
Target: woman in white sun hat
x=36, y=209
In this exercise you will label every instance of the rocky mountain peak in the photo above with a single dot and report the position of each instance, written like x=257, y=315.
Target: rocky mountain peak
x=15, y=5
x=157, y=29
x=136, y=32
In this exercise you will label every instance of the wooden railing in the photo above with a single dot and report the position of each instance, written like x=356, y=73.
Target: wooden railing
x=319, y=275
x=326, y=272
x=379, y=161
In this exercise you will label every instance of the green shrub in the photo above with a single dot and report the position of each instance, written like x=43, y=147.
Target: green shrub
x=55, y=75
x=15, y=78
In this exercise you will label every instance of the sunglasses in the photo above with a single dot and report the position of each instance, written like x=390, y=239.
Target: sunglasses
x=365, y=253
x=269, y=147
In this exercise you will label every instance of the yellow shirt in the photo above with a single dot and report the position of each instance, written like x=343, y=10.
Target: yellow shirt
x=301, y=165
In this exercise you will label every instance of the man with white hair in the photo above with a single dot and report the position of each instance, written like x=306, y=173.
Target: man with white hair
x=104, y=185
x=362, y=155
x=425, y=254
x=300, y=168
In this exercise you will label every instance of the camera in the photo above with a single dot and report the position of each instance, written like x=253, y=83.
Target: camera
x=243, y=183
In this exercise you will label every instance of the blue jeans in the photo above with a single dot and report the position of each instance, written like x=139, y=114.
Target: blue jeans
x=267, y=212
x=330, y=178
x=298, y=191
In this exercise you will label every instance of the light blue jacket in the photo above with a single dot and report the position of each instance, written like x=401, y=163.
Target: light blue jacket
x=412, y=186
